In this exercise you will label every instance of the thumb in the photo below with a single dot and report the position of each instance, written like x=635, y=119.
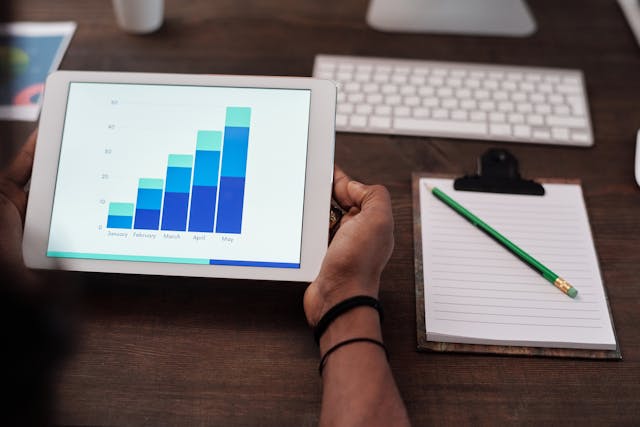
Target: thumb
x=357, y=193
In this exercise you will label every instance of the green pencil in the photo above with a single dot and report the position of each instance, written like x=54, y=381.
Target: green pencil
x=552, y=277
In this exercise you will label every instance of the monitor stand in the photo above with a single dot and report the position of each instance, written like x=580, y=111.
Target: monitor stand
x=509, y=18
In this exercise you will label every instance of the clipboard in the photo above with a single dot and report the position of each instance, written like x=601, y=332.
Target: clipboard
x=498, y=172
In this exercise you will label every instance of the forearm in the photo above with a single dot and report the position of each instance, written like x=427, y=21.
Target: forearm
x=358, y=386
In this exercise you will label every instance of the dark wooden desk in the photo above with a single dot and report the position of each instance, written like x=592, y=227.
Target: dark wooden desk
x=164, y=351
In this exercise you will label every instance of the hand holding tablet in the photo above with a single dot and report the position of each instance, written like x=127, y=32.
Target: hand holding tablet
x=214, y=176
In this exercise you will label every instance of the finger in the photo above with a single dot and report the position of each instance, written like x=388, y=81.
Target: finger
x=19, y=171
x=370, y=197
x=340, y=191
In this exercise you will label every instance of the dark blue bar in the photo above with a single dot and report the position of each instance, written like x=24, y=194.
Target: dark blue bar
x=174, y=212
x=230, y=205
x=203, y=208
x=254, y=263
x=116, y=221
x=147, y=219
x=234, y=151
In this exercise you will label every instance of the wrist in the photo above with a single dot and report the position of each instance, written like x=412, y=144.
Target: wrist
x=322, y=295
x=360, y=321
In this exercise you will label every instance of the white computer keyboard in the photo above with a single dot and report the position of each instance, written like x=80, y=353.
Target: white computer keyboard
x=459, y=100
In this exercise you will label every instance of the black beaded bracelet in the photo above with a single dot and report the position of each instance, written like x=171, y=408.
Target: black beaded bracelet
x=343, y=307
x=323, y=361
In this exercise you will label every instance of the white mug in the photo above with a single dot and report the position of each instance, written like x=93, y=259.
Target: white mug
x=139, y=16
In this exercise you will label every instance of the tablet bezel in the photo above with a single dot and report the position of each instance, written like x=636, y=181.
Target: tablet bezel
x=317, y=192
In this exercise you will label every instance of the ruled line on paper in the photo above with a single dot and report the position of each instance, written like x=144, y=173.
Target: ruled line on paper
x=470, y=278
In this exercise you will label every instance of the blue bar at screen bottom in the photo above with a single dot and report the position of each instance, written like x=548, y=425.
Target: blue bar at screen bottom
x=147, y=219
x=254, y=263
x=230, y=205
x=203, y=208
x=174, y=213
x=117, y=221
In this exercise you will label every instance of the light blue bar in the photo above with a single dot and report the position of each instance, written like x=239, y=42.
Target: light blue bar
x=111, y=257
x=180, y=161
x=238, y=117
x=209, y=140
x=120, y=209
x=151, y=183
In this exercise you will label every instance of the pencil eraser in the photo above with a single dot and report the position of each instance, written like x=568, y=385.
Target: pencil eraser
x=572, y=292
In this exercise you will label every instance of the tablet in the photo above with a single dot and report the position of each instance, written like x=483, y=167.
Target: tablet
x=186, y=175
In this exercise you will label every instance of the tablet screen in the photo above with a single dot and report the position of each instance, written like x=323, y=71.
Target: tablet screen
x=183, y=174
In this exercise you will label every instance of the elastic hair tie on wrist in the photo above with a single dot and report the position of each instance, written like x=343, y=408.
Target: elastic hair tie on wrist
x=341, y=308
x=323, y=361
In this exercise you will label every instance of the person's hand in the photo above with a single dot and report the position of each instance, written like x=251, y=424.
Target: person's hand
x=359, y=250
x=13, y=204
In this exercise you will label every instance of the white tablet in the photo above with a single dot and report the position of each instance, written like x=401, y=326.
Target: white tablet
x=187, y=175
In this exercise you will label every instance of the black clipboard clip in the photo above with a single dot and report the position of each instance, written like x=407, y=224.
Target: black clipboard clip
x=498, y=172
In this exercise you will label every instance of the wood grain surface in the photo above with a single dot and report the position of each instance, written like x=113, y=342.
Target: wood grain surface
x=165, y=351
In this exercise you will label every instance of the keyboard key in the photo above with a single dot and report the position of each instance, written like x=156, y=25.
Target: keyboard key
x=399, y=78
x=358, y=121
x=568, y=89
x=469, y=104
x=535, y=120
x=345, y=108
x=393, y=100
x=431, y=102
x=426, y=91
x=421, y=112
x=401, y=111
x=444, y=92
x=497, y=117
x=355, y=97
x=516, y=118
x=571, y=122
x=542, y=109
x=412, y=101
x=478, y=116
x=499, y=129
x=449, y=103
x=524, y=107
x=380, y=122
x=459, y=115
x=407, y=90
x=352, y=87
x=561, y=134
x=389, y=88
x=370, y=88
x=380, y=78
x=506, y=106
x=463, y=93
x=383, y=110
x=417, y=80
x=544, y=135
x=435, y=81
x=440, y=113
x=341, y=119
x=522, y=131
x=374, y=98
x=439, y=126
x=364, y=109
x=487, y=105
x=580, y=137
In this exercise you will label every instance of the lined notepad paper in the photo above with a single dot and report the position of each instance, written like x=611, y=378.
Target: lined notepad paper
x=477, y=292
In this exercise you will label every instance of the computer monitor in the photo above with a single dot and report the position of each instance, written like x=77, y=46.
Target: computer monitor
x=471, y=17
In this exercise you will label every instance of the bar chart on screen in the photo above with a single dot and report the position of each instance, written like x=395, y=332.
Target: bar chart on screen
x=182, y=174
x=186, y=199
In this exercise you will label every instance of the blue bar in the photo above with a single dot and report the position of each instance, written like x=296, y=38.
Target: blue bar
x=174, y=212
x=116, y=221
x=233, y=170
x=254, y=263
x=176, y=192
x=148, y=207
x=203, y=208
x=231, y=204
x=234, y=156
x=205, y=172
x=178, y=180
x=147, y=219
x=204, y=191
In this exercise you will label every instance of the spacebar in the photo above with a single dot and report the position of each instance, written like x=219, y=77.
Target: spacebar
x=444, y=126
